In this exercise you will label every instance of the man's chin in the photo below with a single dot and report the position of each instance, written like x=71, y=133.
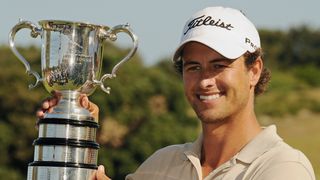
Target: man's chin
x=211, y=118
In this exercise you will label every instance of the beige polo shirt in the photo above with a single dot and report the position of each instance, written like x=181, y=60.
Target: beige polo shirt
x=266, y=157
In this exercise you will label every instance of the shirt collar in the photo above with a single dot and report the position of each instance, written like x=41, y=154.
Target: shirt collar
x=262, y=143
x=195, y=147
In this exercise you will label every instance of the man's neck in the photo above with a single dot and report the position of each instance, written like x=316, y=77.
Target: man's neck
x=223, y=140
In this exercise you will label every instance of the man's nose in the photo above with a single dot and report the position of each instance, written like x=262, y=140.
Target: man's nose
x=207, y=80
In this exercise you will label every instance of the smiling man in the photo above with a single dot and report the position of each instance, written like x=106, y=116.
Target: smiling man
x=219, y=58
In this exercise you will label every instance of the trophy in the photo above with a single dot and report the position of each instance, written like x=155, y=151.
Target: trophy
x=71, y=61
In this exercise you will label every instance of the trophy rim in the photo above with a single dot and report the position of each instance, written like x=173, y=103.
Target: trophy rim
x=45, y=23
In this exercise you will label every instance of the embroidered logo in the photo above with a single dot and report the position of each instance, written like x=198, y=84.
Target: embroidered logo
x=207, y=21
x=248, y=41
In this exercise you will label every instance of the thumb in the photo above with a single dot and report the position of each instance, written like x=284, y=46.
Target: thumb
x=101, y=175
x=84, y=101
x=101, y=169
x=93, y=108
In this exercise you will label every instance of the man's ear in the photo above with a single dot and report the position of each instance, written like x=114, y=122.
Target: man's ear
x=255, y=71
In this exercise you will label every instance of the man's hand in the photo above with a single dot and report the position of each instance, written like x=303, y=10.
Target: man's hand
x=100, y=174
x=48, y=104
x=93, y=108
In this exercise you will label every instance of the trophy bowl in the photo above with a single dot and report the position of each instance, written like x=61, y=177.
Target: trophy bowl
x=71, y=60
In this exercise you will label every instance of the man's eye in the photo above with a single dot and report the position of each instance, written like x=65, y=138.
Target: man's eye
x=192, y=68
x=219, y=66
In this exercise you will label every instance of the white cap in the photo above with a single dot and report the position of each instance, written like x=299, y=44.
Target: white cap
x=225, y=30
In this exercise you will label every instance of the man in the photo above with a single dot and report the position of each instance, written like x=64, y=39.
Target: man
x=220, y=60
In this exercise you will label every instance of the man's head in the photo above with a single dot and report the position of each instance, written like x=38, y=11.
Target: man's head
x=220, y=59
x=228, y=32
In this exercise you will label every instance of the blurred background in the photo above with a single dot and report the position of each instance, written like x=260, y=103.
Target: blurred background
x=147, y=109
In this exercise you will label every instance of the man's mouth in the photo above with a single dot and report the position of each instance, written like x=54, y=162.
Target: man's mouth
x=209, y=97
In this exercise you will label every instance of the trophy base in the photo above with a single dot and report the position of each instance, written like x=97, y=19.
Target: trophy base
x=60, y=173
x=65, y=150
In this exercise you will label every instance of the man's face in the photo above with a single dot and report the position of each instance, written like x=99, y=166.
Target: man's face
x=217, y=88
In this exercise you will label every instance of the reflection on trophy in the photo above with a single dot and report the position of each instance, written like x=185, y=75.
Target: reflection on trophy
x=71, y=58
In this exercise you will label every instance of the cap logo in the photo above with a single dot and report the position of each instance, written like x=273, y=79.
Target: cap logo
x=248, y=41
x=207, y=21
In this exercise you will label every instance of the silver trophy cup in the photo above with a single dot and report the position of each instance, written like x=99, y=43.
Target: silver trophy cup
x=71, y=59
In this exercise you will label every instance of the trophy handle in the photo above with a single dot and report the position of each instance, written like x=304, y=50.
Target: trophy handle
x=35, y=31
x=112, y=35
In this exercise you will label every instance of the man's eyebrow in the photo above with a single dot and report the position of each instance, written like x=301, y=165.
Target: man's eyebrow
x=189, y=62
x=222, y=59
x=216, y=60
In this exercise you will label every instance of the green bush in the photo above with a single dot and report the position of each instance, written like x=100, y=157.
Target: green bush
x=310, y=74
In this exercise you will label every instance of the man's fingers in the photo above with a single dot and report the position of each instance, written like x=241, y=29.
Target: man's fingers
x=101, y=175
x=101, y=168
x=40, y=113
x=45, y=104
x=49, y=102
x=93, y=108
x=53, y=102
x=84, y=101
x=50, y=110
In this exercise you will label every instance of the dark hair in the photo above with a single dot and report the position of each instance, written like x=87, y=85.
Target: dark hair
x=265, y=76
x=250, y=58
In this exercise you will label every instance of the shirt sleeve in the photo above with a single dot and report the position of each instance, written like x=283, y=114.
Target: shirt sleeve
x=287, y=170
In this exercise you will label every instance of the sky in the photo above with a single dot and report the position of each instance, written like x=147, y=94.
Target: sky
x=158, y=24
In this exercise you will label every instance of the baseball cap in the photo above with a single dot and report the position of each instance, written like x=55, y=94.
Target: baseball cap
x=225, y=30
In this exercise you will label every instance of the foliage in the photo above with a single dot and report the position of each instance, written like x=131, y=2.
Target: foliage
x=295, y=47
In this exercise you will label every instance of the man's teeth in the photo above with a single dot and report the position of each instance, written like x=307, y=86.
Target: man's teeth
x=211, y=97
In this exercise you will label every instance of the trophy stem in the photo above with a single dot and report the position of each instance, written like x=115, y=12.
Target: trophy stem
x=69, y=107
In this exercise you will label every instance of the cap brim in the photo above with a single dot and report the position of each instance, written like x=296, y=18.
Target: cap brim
x=219, y=44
